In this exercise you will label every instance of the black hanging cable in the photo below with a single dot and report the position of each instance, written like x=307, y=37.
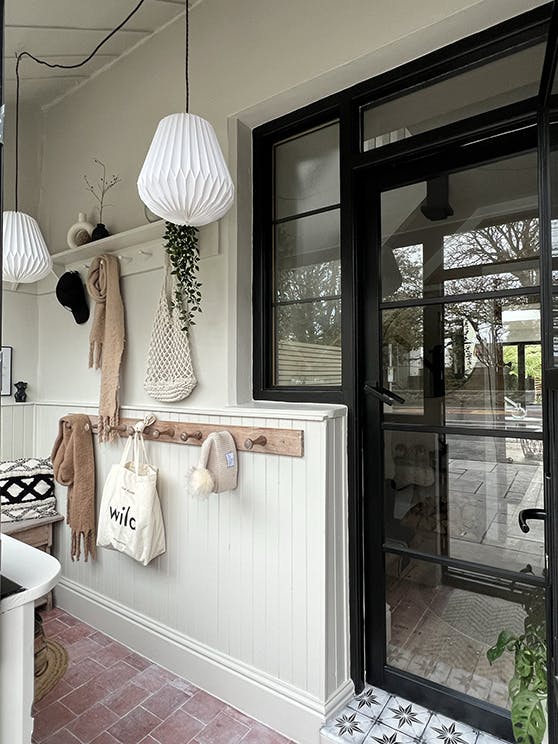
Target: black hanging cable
x=187, y=55
x=53, y=66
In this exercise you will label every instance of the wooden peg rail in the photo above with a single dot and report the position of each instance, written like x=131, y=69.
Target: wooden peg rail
x=288, y=442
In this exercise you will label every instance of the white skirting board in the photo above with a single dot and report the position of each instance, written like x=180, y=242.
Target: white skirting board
x=286, y=709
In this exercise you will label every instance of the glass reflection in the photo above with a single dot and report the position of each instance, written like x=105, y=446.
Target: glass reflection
x=442, y=624
x=461, y=496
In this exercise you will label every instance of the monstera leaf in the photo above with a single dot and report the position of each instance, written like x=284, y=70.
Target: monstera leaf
x=528, y=718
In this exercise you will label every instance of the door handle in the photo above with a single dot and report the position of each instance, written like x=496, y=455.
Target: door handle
x=526, y=514
x=386, y=396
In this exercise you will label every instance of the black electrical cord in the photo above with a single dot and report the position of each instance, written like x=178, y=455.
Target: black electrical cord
x=21, y=55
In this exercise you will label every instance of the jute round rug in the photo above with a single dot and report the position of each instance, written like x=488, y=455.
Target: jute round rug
x=51, y=669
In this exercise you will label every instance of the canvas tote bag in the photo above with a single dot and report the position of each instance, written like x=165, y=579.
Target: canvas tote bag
x=130, y=519
x=169, y=376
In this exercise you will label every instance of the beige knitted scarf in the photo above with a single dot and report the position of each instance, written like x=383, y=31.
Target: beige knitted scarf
x=73, y=462
x=106, y=341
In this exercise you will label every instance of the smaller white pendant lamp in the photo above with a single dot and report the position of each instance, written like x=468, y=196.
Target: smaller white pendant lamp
x=184, y=178
x=25, y=255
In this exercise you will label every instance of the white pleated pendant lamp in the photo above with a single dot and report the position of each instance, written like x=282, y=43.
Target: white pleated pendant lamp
x=184, y=178
x=25, y=255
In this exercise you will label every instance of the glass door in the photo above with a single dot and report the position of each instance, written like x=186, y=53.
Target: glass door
x=457, y=407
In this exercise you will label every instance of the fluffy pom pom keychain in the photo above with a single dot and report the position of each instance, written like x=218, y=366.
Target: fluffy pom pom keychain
x=217, y=469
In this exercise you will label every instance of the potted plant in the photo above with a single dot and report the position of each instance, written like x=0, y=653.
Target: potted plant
x=99, y=189
x=528, y=687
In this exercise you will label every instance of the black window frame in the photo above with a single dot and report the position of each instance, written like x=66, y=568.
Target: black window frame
x=512, y=35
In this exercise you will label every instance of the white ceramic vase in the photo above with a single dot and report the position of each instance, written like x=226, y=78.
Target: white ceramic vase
x=80, y=232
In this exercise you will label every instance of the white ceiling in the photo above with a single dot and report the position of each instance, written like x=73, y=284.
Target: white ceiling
x=66, y=31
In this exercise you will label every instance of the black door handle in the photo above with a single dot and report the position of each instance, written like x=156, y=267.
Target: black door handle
x=386, y=396
x=526, y=514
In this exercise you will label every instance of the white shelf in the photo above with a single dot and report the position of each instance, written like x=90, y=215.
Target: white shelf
x=127, y=239
x=140, y=249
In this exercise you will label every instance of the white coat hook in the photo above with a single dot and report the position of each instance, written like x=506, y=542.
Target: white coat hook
x=145, y=253
x=125, y=258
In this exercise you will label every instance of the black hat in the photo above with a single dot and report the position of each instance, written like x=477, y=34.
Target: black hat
x=71, y=294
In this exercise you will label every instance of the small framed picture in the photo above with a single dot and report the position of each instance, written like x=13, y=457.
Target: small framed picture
x=6, y=357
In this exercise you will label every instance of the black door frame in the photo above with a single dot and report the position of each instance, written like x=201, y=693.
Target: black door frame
x=369, y=184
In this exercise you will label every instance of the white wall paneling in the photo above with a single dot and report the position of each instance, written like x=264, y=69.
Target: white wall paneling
x=253, y=581
x=17, y=431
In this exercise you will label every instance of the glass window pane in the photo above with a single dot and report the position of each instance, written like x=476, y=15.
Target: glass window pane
x=488, y=87
x=308, y=343
x=307, y=172
x=475, y=231
x=493, y=363
x=460, y=497
x=307, y=255
x=476, y=363
x=442, y=623
x=403, y=358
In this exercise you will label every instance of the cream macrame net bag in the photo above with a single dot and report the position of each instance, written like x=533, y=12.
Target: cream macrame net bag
x=170, y=375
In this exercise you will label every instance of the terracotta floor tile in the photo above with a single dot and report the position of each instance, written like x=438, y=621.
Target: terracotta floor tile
x=57, y=692
x=53, y=627
x=153, y=678
x=112, y=653
x=81, y=671
x=94, y=721
x=51, y=718
x=82, y=698
x=222, y=730
x=138, y=662
x=62, y=737
x=238, y=716
x=112, y=695
x=71, y=620
x=101, y=638
x=185, y=686
x=134, y=726
x=82, y=649
x=122, y=700
x=105, y=738
x=259, y=734
x=204, y=707
x=74, y=633
x=117, y=675
x=164, y=701
x=177, y=729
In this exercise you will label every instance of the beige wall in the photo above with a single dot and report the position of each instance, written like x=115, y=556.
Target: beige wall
x=30, y=158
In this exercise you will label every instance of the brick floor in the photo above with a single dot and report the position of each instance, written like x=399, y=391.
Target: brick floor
x=111, y=695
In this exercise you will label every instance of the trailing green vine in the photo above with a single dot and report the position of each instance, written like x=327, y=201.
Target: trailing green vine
x=181, y=245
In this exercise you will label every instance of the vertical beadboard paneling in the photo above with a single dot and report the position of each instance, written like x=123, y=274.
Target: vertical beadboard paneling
x=256, y=574
x=17, y=431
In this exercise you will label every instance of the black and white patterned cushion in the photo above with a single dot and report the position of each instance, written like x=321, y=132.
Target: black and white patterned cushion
x=27, y=489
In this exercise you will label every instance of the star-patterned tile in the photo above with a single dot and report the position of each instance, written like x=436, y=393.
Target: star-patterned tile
x=348, y=726
x=405, y=717
x=442, y=730
x=376, y=717
x=370, y=702
x=382, y=734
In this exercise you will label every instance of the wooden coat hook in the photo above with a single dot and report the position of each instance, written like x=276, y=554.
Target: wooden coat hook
x=156, y=433
x=261, y=440
x=185, y=436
